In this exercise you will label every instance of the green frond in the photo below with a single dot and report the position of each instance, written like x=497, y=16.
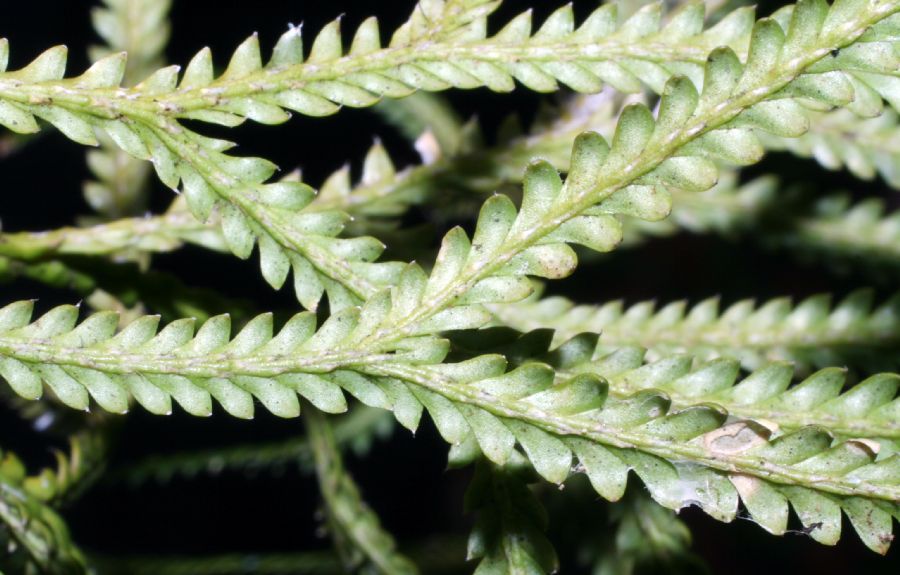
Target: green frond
x=839, y=139
x=866, y=410
x=163, y=293
x=508, y=536
x=693, y=456
x=120, y=238
x=74, y=471
x=646, y=535
x=388, y=353
x=34, y=538
x=356, y=433
x=360, y=540
x=811, y=334
x=436, y=49
x=272, y=213
x=845, y=235
x=476, y=405
x=141, y=29
x=833, y=230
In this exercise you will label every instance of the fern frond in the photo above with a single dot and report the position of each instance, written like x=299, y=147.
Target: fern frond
x=707, y=461
x=74, y=471
x=356, y=433
x=360, y=540
x=840, y=139
x=139, y=28
x=508, y=536
x=436, y=49
x=35, y=539
x=117, y=238
x=866, y=410
x=812, y=333
x=508, y=245
x=846, y=236
x=271, y=214
x=386, y=354
x=476, y=405
x=646, y=535
x=161, y=292
x=833, y=230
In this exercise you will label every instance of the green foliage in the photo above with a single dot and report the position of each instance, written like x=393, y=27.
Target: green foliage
x=409, y=337
x=83, y=465
x=839, y=139
x=852, y=236
x=35, y=538
x=139, y=28
x=868, y=409
x=647, y=534
x=143, y=122
x=812, y=333
x=359, y=539
x=355, y=433
x=508, y=535
x=474, y=403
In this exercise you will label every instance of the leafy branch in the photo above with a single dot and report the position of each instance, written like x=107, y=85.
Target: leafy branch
x=140, y=29
x=811, y=333
x=34, y=537
x=355, y=432
x=384, y=192
x=355, y=530
x=143, y=121
x=508, y=534
x=388, y=352
x=839, y=139
x=494, y=408
x=867, y=409
x=859, y=235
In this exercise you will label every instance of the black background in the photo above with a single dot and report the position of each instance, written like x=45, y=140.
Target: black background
x=404, y=479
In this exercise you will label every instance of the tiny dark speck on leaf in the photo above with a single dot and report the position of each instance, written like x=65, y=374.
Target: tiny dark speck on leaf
x=812, y=527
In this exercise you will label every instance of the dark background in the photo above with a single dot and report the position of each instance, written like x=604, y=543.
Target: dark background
x=403, y=479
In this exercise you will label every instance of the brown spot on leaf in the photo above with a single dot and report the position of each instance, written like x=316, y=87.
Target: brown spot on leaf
x=736, y=437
